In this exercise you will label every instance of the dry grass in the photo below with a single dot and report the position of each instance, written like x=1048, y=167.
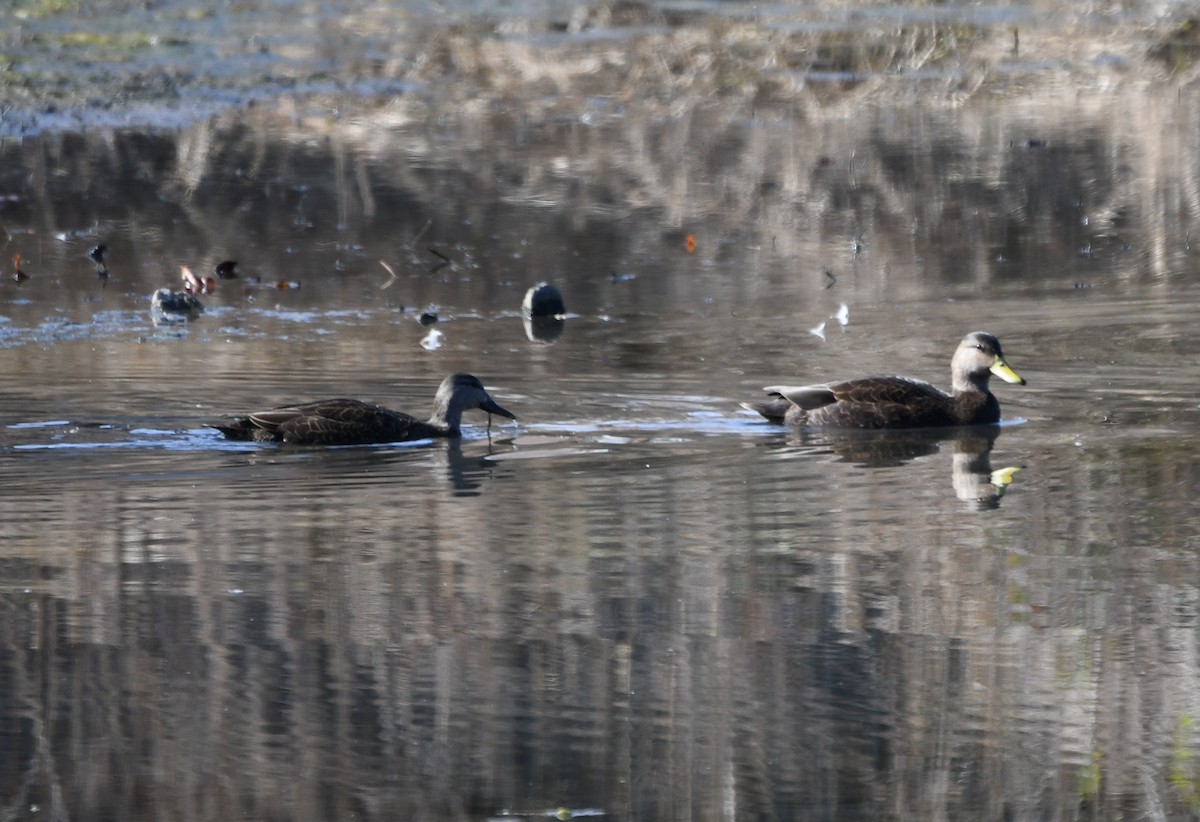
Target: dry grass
x=633, y=55
x=622, y=52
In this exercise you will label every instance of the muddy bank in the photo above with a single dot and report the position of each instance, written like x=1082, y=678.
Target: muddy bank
x=62, y=68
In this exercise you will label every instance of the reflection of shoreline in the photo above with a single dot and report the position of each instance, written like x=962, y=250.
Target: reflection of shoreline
x=602, y=221
x=972, y=476
x=340, y=619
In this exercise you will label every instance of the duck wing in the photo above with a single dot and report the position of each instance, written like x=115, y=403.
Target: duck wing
x=871, y=402
x=340, y=422
x=887, y=391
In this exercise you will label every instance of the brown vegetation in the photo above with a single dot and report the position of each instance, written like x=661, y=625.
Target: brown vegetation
x=628, y=53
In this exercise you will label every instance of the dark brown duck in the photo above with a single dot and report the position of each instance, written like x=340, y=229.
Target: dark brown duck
x=354, y=422
x=900, y=402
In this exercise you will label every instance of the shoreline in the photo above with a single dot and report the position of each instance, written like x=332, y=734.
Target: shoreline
x=59, y=73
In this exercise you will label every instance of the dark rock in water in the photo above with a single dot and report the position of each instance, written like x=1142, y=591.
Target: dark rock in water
x=543, y=300
x=175, y=306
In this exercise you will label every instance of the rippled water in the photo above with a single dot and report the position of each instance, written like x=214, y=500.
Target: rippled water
x=639, y=600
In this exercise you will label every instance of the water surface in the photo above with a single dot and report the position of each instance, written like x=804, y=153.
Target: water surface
x=640, y=600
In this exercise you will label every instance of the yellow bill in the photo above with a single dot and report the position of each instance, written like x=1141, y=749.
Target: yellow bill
x=1000, y=369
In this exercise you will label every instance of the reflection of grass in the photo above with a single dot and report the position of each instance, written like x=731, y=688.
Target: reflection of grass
x=1091, y=778
x=41, y=8
x=124, y=42
x=856, y=52
x=1180, y=48
x=1183, y=774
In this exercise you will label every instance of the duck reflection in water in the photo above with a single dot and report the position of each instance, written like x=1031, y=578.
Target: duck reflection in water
x=974, y=480
x=466, y=472
x=909, y=418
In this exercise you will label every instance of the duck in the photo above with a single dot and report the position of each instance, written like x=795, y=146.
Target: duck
x=354, y=422
x=900, y=402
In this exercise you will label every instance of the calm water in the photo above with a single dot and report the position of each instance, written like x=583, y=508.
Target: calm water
x=639, y=601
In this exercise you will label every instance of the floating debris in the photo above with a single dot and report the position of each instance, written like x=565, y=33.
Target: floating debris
x=690, y=243
x=195, y=285
x=391, y=275
x=174, y=306
x=561, y=812
x=842, y=315
x=96, y=255
x=429, y=316
x=226, y=270
x=412, y=245
x=819, y=331
x=18, y=275
x=433, y=340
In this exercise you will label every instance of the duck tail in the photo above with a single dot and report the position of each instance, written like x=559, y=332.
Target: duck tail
x=241, y=430
x=772, y=410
